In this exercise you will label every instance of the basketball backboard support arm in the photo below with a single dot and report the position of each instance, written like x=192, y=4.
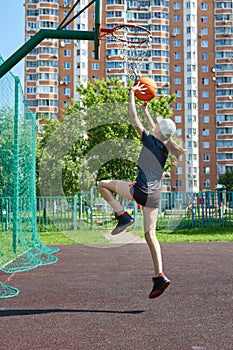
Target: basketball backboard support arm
x=98, y=18
x=18, y=55
x=66, y=20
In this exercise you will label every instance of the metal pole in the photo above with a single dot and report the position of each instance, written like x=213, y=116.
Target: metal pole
x=16, y=226
x=37, y=38
x=98, y=16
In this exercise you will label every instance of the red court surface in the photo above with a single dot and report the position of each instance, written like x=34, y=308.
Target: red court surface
x=97, y=298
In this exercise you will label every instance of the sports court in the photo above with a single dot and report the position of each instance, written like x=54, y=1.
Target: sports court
x=97, y=298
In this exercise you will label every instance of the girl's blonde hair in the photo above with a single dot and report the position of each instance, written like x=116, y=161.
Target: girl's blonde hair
x=174, y=146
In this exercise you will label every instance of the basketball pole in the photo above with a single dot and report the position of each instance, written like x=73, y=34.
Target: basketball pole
x=25, y=49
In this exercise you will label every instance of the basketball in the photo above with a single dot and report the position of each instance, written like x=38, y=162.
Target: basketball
x=151, y=90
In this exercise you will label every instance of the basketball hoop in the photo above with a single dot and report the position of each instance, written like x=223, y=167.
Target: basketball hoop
x=134, y=42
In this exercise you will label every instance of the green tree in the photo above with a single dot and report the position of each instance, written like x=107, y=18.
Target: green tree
x=111, y=93
x=227, y=180
x=100, y=141
x=6, y=151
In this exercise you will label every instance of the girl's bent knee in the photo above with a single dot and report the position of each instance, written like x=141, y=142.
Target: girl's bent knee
x=100, y=185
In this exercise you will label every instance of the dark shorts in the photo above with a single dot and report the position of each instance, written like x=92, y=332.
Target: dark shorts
x=149, y=200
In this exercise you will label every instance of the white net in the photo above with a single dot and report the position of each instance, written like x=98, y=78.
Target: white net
x=134, y=43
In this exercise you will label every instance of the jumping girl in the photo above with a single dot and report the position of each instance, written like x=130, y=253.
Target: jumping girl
x=146, y=190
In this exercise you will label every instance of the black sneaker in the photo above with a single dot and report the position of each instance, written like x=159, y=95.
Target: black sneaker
x=160, y=284
x=124, y=221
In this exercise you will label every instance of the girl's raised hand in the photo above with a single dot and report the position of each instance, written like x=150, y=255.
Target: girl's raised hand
x=139, y=87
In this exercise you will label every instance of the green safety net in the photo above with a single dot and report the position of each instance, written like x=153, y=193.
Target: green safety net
x=21, y=248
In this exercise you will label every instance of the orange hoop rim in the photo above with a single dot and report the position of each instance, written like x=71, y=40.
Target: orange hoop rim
x=111, y=31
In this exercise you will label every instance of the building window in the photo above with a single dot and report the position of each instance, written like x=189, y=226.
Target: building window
x=31, y=25
x=205, y=81
x=206, y=144
x=190, y=30
x=190, y=183
x=177, y=18
x=205, y=93
x=205, y=119
x=31, y=77
x=177, y=68
x=191, y=68
x=67, y=92
x=206, y=157
x=205, y=106
x=206, y=183
x=178, y=106
x=178, y=119
x=66, y=104
x=67, y=65
x=177, y=55
x=204, y=19
x=176, y=30
x=176, y=5
x=177, y=81
x=67, y=79
x=204, y=31
x=178, y=93
x=177, y=43
x=206, y=132
x=192, y=105
x=178, y=132
x=67, y=53
x=206, y=170
x=94, y=77
x=204, y=56
x=95, y=66
x=191, y=80
x=32, y=103
x=178, y=183
x=191, y=93
x=31, y=90
x=179, y=170
x=66, y=2
x=204, y=43
x=204, y=7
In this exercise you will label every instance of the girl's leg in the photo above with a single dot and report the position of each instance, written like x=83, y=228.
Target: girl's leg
x=149, y=222
x=160, y=281
x=108, y=188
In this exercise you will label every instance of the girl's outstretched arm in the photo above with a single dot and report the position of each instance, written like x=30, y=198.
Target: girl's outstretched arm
x=132, y=108
x=149, y=119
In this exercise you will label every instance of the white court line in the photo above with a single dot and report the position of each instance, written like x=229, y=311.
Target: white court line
x=11, y=276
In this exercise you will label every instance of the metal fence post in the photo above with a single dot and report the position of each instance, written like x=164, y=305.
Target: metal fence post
x=75, y=212
x=91, y=208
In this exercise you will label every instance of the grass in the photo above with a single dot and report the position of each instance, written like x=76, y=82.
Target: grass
x=214, y=234
x=210, y=234
x=74, y=237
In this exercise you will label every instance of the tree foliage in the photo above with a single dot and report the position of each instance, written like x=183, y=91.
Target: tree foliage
x=99, y=140
x=227, y=180
x=6, y=151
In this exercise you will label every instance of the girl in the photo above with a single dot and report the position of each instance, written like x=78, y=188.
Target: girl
x=146, y=190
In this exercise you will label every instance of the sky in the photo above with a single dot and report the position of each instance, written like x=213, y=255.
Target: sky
x=12, y=31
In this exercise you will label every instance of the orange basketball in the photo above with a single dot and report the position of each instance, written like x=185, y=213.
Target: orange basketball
x=151, y=90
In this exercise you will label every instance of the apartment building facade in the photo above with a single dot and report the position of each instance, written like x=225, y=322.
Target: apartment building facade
x=190, y=55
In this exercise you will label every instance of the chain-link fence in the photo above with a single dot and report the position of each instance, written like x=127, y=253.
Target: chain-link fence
x=88, y=211
x=20, y=245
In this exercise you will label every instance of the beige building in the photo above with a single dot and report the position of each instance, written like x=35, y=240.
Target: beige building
x=190, y=55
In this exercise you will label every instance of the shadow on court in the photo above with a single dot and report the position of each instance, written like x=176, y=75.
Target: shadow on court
x=97, y=298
